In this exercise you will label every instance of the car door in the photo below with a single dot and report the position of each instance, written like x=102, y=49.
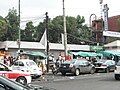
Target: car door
x=112, y=65
x=87, y=66
x=21, y=66
x=4, y=70
x=80, y=65
x=15, y=65
x=83, y=66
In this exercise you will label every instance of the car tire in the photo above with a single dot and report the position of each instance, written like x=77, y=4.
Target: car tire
x=63, y=73
x=117, y=77
x=92, y=71
x=22, y=80
x=77, y=72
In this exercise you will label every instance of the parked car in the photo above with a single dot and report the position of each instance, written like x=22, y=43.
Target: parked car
x=105, y=65
x=117, y=71
x=18, y=76
x=7, y=84
x=76, y=67
x=27, y=65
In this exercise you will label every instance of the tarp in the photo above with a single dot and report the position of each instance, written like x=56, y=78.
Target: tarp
x=110, y=53
x=35, y=53
x=87, y=54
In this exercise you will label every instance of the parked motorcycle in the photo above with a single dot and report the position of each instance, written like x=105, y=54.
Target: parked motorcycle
x=55, y=70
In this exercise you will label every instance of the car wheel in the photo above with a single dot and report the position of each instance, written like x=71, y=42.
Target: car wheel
x=77, y=72
x=63, y=73
x=117, y=77
x=22, y=80
x=92, y=71
x=107, y=70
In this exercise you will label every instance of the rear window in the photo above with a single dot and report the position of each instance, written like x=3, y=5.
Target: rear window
x=30, y=63
x=70, y=62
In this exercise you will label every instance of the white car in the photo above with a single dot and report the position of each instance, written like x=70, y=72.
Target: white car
x=15, y=75
x=117, y=71
x=27, y=65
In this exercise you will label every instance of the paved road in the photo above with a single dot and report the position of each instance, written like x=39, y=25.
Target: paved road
x=97, y=81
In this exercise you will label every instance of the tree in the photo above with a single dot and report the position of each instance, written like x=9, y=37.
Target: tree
x=13, y=20
x=77, y=31
x=56, y=28
x=3, y=28
x=29, y=33
x=40, y=30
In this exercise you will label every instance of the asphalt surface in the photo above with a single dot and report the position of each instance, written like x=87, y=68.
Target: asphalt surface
x=97, y=81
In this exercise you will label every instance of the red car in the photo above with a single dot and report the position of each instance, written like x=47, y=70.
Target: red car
x=19, y=76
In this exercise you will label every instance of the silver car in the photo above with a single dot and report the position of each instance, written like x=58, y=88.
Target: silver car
x=77, y=67
x=105, y=65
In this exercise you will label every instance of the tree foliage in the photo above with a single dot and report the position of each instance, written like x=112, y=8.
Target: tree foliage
x=77, y=30
x=13, y=20
x=29, y=33
x=3, y=27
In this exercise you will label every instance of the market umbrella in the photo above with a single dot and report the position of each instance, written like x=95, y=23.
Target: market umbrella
x=35, y=53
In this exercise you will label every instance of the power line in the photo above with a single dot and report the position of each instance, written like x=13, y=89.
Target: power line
x=32, y=19
x=81, y=39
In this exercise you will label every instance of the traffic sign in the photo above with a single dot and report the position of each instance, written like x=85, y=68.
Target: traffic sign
x=111, y=34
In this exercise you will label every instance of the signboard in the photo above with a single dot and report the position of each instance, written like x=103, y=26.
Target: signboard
x=111, y=34
x=96, y=48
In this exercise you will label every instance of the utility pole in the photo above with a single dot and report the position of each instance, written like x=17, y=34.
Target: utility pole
x=105, y=10
x=102, y=22
x=19, y=38
x=65, y=34
x=47, y=48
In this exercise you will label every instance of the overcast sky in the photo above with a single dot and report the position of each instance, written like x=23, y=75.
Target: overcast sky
x=34, y=8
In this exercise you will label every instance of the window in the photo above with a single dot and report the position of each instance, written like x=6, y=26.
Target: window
x=21, y=64
x=16, y=63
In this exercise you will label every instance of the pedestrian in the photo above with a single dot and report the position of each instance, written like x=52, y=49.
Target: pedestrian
x=5, y=60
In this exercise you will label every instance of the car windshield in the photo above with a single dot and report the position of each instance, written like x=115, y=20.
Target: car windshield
x=70, y=62
x=101, y=61
x=30, y=63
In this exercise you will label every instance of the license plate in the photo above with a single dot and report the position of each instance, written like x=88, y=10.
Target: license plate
x=64, y=66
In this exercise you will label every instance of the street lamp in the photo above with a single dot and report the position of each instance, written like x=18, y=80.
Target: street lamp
x=65, y=34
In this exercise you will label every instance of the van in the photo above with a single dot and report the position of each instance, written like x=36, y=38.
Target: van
x=27, y=65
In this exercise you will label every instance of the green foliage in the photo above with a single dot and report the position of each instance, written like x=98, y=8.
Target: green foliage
x=76, y=28
x=13, y=20
x=3, y=28
x=29, y=33
x=56, y=28
x=40, y=30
